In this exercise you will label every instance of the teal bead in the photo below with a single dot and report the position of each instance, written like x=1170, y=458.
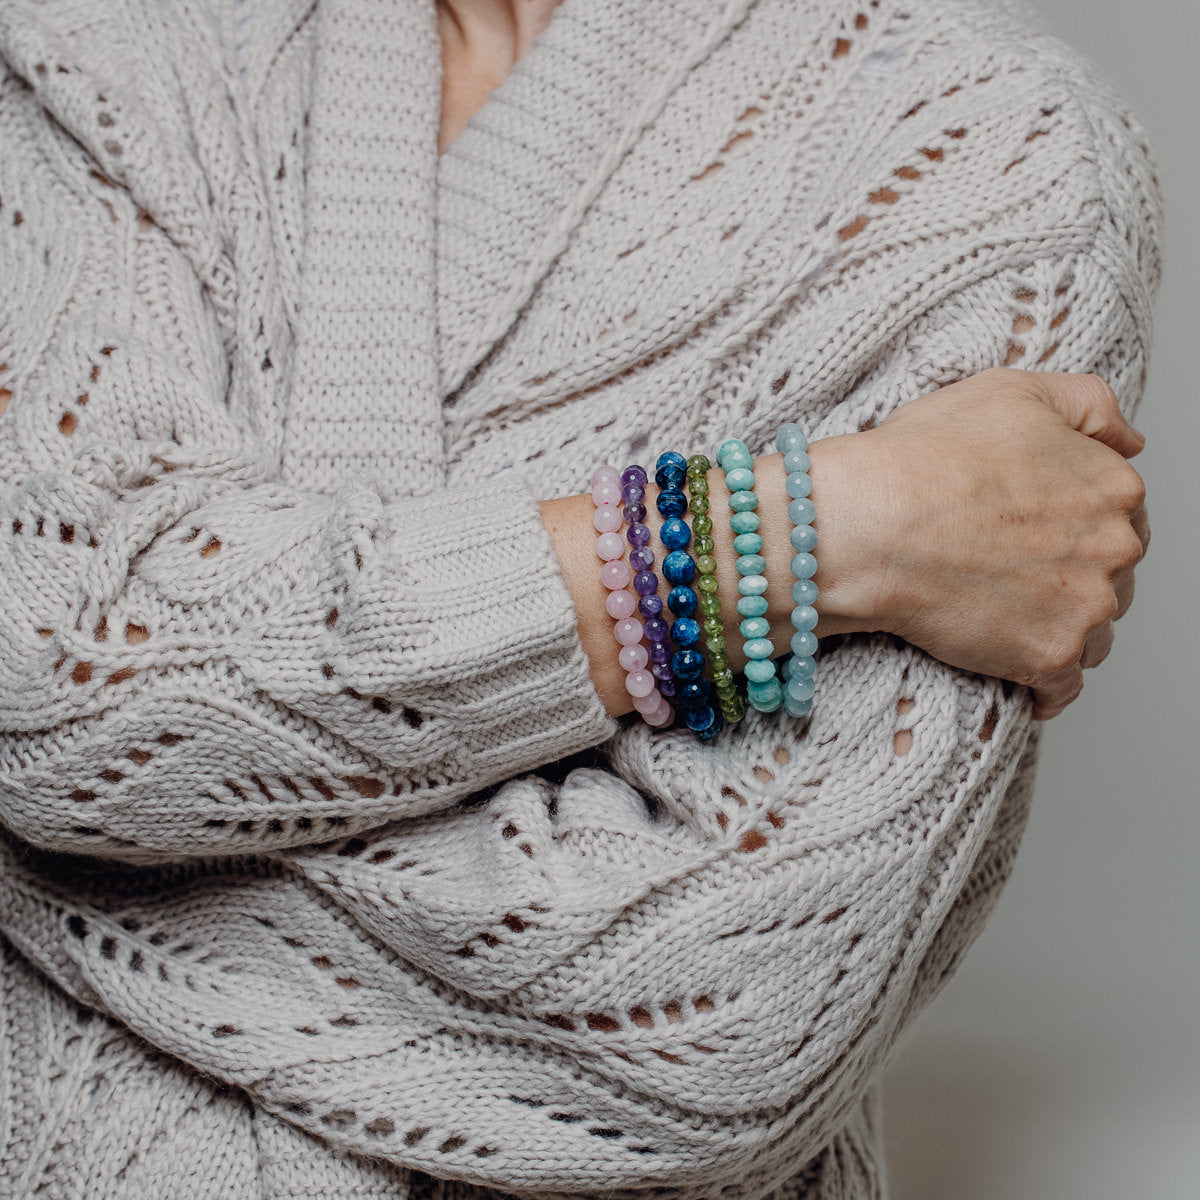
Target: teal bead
x=804, y=591
x=799, y=690
x=804, y=616
x=794, y=709
x=803, y=537
x=754, y=627
x=759, y=670
x=752, y=606
x=748, y=543
x=739, y=479
x=798, y=485
x=759, y=648
x=743, y=501
x=801, y=511
x=766, y=697
x=796, y=667
x=732, y=448
x=796, y=460
x=744, y=522
x=751, y=564
x=804, y=643
x=752, y=585
x=804, y=566
x=790, y=437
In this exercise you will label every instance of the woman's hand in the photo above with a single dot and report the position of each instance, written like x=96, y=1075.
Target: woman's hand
x=994, y=523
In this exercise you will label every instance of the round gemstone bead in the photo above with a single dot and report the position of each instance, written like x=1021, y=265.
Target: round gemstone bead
x=798, y=485
x=748, y=543
x=607, y=491
x=682, y=601
x=799, y=667
x=694, y=692
x=714, y=643
x=634, y=474
x=607, y=519
x=685, y=632
x=669, y=477
x=804, y=591
x=671, y=502
x=641, y=558
x=633, y=658
x=804, y=643
x=790, y=437
x=650, y=605
x=751, y=564
x=804, y=616
x=615, y=574
x=804, y=566
x=639, y=683
x=739, y=479
x=752, y=585
x=666, y=683
x=758, y=648
x=801, y=511
x=610, y=546
x=706, y=564
x=656, y=629
x=678, y=567
x=634, y=513
x=647, y=704
x=605, y=474
x=671, y=458
x=638, y=534
x=753, y=606
x=730, y=447
x=797, y=710
x=766, y=697
x=687, y=664
x=700, y=506
x=620, y=604
x=744, y=522
x=703, y=545
x=633, y=493
x=702, y=524
x=796, y=460
x=743, y=501
x=674, y=533
x=645, y=582
x=754, y=627
x=629, y=631
x=800, y=689
x=759, y=670
x=710, y=605
x=698, y=464
x=708, y=584
x=803, y=537
x=660, y=652
x=700, y=720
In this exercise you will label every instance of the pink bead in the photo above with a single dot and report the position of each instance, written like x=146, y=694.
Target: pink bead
x=649, y=703
x=660, y=718
x=640, y=683
x=634, y=658
x=607, y=519
x=610, y=546
x=615, y=574
x=607, y=492
x=621, y=604
x=604, y=472
x=629, y=631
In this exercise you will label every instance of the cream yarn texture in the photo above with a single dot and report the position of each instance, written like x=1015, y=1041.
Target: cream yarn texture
x=324, y=872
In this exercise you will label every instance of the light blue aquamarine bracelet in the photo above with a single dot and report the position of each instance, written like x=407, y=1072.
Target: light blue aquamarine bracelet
x=800, y=667
x=763, y=689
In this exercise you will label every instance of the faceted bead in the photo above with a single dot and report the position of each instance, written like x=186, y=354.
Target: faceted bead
x=685, y=632
x=743, y=502
x=700, y=506
x=702, y=545
x=766, y=697
x=698, y=464
x=620, y=604
x=687, y=664
x=752, y=585
x=641, y=558
x=678, y=567
x=700, y=720
x=790, y=437
x=671, y=502
x=674, y=533
x=670, y=458
x=748, y=543
x=753, y=606
x=634, y=513
x=607, y=491
x=702, y=524
x=754, y=627
x=710, y=605
x=633, y=493
x=638, y=534
x=648, y=703
x=694, y=692
x=804, y=566
x=759, y=670
x=633, y=658
x=650, y=605
x=739, y=479
x=639, y=683
x=804, y=591
x=797, y=710
x=800, y=667
x=804, y=616
x=666, y=687
x=656, y=629
x=798, y=485
x=698, y=485
x=708, y=584
x=796, y=460
x=645, y=582
x=660, y=652
x=751, y=564
x=634, y=474
x=605, y=474
x=706, y=564
x=718, y=660
x=730, y=447
x=669, y=477
x=800, y=689
x=682, y=601
x=804, y=537
x=758, y=648
x=744, y=522
x=615, y=574
x=714, y=643
x=804, y=643
x=801, y=511
x=610, y=546
x=607, y=519
x=629, y=631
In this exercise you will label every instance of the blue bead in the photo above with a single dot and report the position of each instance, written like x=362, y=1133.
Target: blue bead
x=694, y=693
x=759, y=648
x=731, y=446
x=804, y=616
x=752, y=585
x=739, y=479
x=700, y=720
x=743, y=501
x=682, y=601
x=713, y=731
x=687, y=664
x=804, y=566
x=801, y=511
x=790, y=437
x=798, y=484
x=751, y=564
x=671, y=502
x=759, y=670
x=670, y=479
x=748, y=543
x=670, y=458
x=744, y=522
x=795, y=667
x=803, y=537
x=752, y=606
x=797, y=710
x=766, y=697
x=799, y=690
x=685, y=632
x=754, y=627
x=674, y=533
x=796, y=460
x=804, y=591
x=678, y=567
x=804, y=643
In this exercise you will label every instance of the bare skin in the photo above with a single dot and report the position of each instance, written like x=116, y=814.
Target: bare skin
x=994, y=523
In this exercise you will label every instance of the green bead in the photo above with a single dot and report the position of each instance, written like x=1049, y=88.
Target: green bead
x=744, y=522
x=751, y=564
x=748, y=543
x=759, y=670
x=706, y=583
x=699, y=505
x=706, y=564
x=702, y=545
x=739, y=479
x=710, y=605
x=715, y=643
x=702, y=524
x=726, y=688
x=698, y=464
x=759, y=648
x=752, y=606
x=754, y=627
x=743, y=502
x=719, y=662
x=735, y=712
x=698, y=486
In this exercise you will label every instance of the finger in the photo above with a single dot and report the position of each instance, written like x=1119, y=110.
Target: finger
x=1088, y=404
x=1056, y=692
x=1097, y=645
x=1141, y=526
x=1123, y=586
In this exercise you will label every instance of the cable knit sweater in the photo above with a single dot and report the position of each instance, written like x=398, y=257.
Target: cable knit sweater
x=324, y=872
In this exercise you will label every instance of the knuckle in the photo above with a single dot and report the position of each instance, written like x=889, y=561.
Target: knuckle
x=1129, y=549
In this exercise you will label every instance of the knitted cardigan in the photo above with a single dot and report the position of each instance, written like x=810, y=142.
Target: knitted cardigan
x=325, y=873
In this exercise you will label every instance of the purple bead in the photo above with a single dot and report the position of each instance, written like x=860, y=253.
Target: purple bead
x=656, y=629
x=633, y=513
x=666, y=685
x=634, y=474
x=644, y=582
x=638, y=535
x=641, y=559
x=633, y=493
x=660, y=652
x=650, y=605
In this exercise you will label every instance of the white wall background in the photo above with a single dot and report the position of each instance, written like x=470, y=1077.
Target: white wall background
x=1063, y=1062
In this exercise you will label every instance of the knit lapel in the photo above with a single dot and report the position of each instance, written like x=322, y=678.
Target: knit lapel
x=365, y=393
x=513, y=186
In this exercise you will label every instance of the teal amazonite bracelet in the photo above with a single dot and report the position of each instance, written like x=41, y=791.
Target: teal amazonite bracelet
x=763, y=689
x=799, y=669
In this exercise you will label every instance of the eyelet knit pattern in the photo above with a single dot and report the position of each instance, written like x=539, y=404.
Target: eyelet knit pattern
x=324, y=871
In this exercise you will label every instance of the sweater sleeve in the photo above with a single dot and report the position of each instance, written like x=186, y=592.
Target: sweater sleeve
x=176, y=620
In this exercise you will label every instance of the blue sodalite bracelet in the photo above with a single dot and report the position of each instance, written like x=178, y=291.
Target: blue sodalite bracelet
x=692, y=690
x=799, y=669
x=763, y=689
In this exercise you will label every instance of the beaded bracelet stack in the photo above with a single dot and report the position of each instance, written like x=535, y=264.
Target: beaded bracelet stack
x=666, y=676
